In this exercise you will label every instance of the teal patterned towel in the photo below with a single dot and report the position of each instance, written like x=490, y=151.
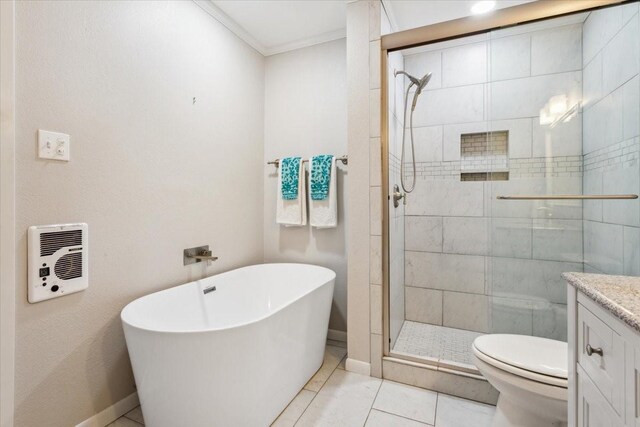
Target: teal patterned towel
x=290, y=175
x=320, y=176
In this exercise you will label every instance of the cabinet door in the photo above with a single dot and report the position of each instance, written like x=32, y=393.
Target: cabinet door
x=593, y=408
x=605, y=369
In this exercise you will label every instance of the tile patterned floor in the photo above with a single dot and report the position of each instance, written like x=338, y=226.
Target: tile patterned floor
x=336, y=398
x=436, y=342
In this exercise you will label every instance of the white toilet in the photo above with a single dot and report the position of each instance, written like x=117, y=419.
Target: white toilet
x=531, y=375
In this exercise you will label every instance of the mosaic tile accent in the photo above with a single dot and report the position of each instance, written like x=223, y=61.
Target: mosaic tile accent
x=561, y=166
x=437, y=342
x=535, y=167
x=437, y=170
x=613, y=156
x=484, y=151
x=484, y=143
x=484, y=176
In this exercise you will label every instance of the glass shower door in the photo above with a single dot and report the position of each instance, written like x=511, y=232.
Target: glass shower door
x=396, y=213
x=535, y=99
x=510, y=118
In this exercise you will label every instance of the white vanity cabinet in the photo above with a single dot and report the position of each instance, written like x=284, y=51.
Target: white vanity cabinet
x=604, y=366
x=633, y=384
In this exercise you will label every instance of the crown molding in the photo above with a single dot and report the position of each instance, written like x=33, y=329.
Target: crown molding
x=217, y=13
x=307, y=42
x=231, y=25
x=388, y=8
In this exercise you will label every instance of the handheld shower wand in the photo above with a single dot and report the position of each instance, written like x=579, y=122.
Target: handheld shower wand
x=419, y=84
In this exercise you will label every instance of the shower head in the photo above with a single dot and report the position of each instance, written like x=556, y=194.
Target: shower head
x=419, y=83
x=413, y=79
x=423, y=81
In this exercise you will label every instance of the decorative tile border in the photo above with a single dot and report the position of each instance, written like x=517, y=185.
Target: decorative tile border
x=566, y=166
x=561, y=166
x=613, y=156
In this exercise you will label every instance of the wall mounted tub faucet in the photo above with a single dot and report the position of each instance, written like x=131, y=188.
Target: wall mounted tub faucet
x=197, y=254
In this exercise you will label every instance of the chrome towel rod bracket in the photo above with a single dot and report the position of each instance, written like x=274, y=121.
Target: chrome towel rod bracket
x=571, y=197
x=344, y=159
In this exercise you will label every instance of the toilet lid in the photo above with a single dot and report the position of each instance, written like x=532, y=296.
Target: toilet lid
x=534, y=354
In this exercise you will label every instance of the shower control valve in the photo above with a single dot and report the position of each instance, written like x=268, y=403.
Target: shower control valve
x=397, y=195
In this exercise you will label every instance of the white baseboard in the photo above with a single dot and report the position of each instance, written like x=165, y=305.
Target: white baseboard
x=358, y=367
x=112, y=413
x=336, y=335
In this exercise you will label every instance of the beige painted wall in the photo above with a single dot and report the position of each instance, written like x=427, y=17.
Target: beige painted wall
x=151, y=172
x=306, y=114
x=7, y=211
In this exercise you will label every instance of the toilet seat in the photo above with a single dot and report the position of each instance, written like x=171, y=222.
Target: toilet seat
x=534, y=358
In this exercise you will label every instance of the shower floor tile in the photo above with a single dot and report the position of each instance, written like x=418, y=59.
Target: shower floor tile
x=436, y=342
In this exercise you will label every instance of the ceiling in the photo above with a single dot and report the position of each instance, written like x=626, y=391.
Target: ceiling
x=276, y=26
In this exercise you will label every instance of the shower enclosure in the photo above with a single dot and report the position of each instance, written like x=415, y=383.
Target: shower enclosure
x=511, y=122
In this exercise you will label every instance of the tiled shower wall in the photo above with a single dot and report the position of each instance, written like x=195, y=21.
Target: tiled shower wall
x=611, y=139
x=471, y=261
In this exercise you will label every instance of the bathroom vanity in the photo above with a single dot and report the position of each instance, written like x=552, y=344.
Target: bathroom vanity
x=604, y=350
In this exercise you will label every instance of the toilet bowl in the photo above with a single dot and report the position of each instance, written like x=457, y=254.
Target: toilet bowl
x=531, y=375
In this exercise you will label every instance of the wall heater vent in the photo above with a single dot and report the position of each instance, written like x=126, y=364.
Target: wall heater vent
x=58, y=260
x=52, y=242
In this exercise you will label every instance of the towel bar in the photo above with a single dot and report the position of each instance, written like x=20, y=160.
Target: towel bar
x=344, y=159
x=571, y=197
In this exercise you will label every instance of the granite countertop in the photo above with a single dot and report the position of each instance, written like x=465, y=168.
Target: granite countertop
x=618, y=294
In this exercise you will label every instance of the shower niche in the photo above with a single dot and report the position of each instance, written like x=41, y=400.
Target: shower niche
x=484, y=156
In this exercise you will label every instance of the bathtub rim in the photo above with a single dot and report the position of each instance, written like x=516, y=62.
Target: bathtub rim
x=235, y=326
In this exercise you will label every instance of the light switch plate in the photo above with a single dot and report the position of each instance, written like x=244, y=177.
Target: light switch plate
x=53, y=145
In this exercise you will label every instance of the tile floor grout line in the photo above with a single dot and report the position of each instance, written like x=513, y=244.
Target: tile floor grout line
x=338, y=367
x=435, y=413
x=325, y=381
x=402, y=416
x=315, y=393
x=373, y=402
x=319, y=390
x=130, y=419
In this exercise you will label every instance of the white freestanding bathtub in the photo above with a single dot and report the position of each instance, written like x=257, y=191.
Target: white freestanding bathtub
x=233, y=356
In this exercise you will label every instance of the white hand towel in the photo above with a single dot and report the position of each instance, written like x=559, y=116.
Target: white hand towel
x=324, y=213
x=292, y=212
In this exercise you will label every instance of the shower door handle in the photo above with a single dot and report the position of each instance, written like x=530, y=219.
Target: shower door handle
x=397, y=196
